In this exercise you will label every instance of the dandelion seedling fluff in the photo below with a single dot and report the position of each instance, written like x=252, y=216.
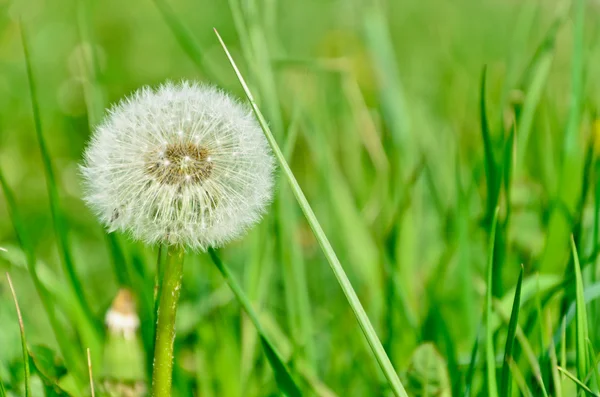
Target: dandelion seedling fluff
x=183, y=164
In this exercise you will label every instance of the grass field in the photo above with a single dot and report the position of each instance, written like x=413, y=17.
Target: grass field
x=449, y=150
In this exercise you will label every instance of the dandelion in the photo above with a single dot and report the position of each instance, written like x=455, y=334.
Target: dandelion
x=121, y=318
x=184, y=164
x=123, y=372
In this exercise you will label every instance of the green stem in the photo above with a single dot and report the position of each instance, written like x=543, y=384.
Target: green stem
x=165, y=325
x=237, y=290
x=359, y=312
x=283, y=377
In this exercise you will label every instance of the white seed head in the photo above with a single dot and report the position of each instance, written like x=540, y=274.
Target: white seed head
x=181, y=164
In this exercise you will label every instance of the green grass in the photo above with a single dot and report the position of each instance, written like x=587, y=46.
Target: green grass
x=336, y=266
x=490, y=354
x=25, y=351
x=505, y=382
x=430, y=201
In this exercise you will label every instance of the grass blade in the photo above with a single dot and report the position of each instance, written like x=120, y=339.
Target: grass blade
x=490, y=162
x=23, y=340
x=581, y=323
x=336, y=266
x=284, y=379
x=594, y=362
x=510, y=339
x=532, y=99
x=52, y=187
x=563, y=344
x=519, y=379
x=572, y=155
x=95, y=103
x=471, y=369
x=294, y=273
x=89, y=360
x=579, y=383
x=60, y=333
x=94, y=94
x=554, y=365
x=391, y=90
x=527, y=349
x=490, y=355
x=507, y=171
x=182, y=34
x=536, y=74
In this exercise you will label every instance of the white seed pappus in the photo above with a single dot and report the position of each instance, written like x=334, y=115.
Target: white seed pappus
x=181, y=164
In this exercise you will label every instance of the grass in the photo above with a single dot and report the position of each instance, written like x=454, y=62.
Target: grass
x=489, y=337
x=25, y=351
x=90, y=370
x=342, y=278
x=420, y=201
x=505, y=382
x=284, y=379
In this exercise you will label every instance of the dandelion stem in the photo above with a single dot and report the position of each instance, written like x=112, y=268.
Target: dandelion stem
x=165, y=325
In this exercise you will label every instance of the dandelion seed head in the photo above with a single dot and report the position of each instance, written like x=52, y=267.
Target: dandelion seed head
x=181, y=164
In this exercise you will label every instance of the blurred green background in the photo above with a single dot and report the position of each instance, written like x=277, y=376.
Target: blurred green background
x=377, y=105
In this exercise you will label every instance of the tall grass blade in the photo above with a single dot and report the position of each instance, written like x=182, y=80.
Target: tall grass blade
x=507, y=170
x=596, y=222
x=95, y=103
x=527, y=349
x=471, y=369
x=52, y=187
x=257, y=278
x=89, y=362
x=554, y=365
x=505, y=381
x=284, y=379
x=521, y=32
x=563, y=344
x=581, y=318
x=363, y=257
x=94, y=94
x=391, y=90
x=520, y=379
x=490, y=162
x=23, y=340
x=253, y=32
x=490, y=355
x=60, y=333
x=594, y=361
x=336, y=266
x=591, y=293
x=294, y=268
x=182, y=34
x=540, y=70
x=465, y=272
x=121, y=266
x=293, y=259
x=572, y=155
x=579, y=383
